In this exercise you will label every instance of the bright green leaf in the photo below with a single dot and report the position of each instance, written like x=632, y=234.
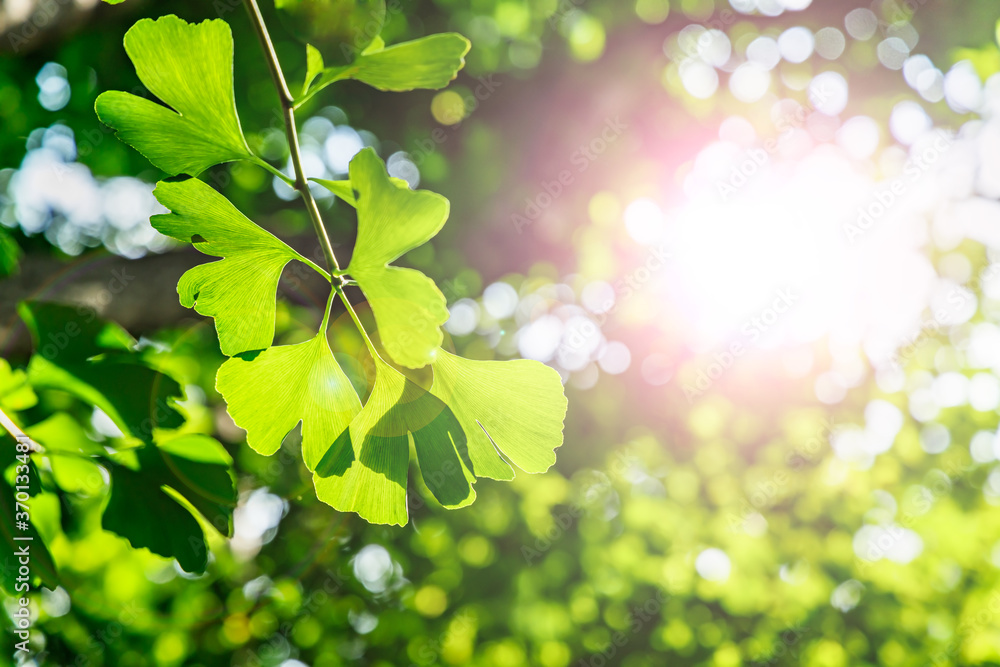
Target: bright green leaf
x=365, y=470
x=429, y=62
x=240, y=290
x=515, y=406
x=270, y=393
x=377, y=44
x=15, y=392
x=408, y=307
x=190, y=68
x=314, y=66
x=344, y=191
x=78, y=353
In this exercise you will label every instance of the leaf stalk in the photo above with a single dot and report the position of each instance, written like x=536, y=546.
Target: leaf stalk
x=301, y=183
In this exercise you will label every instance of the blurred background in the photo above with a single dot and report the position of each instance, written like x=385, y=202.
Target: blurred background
x=759, y=240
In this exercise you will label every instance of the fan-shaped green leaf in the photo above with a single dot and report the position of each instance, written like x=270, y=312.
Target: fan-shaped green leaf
x=365, y=470
x=429, y=62
x=270, y=393
x=515, y=406
x=408, y=307
x=240, y=290
x=190, y=68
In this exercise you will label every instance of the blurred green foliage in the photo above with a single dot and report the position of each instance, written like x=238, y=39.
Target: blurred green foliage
x=597, y=562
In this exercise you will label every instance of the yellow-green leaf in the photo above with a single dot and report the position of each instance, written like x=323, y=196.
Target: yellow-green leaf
x=408, y=307
x=268, y=394
x=428, y=63
x=239, y=291
x=189, y=67
x=515, y=406
x=365, y=470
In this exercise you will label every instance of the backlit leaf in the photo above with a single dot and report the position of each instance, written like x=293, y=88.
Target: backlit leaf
x=408, y=307
x=10, y=254
x=429, y=63
x=15, y=392
x=515, y=406
x=239, y=291
x=268, y=394
x=365, y=470
x=190, y=68
x=344, y=191
x=70, y=454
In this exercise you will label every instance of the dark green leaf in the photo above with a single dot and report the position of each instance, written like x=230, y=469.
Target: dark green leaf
x=78, y=353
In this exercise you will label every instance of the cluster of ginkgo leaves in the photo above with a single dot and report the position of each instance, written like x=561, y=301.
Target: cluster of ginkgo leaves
x=358, y=454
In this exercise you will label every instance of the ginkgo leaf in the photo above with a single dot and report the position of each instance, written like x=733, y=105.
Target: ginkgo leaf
x=345, y=192
x=365, y=470
x=78, y=353
x=408, y=307
x=515, y=406
x=141, y=509
x=429, y=62
x=190, y=68
x=270, y=393
x=240, y=290
x=314, y=66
